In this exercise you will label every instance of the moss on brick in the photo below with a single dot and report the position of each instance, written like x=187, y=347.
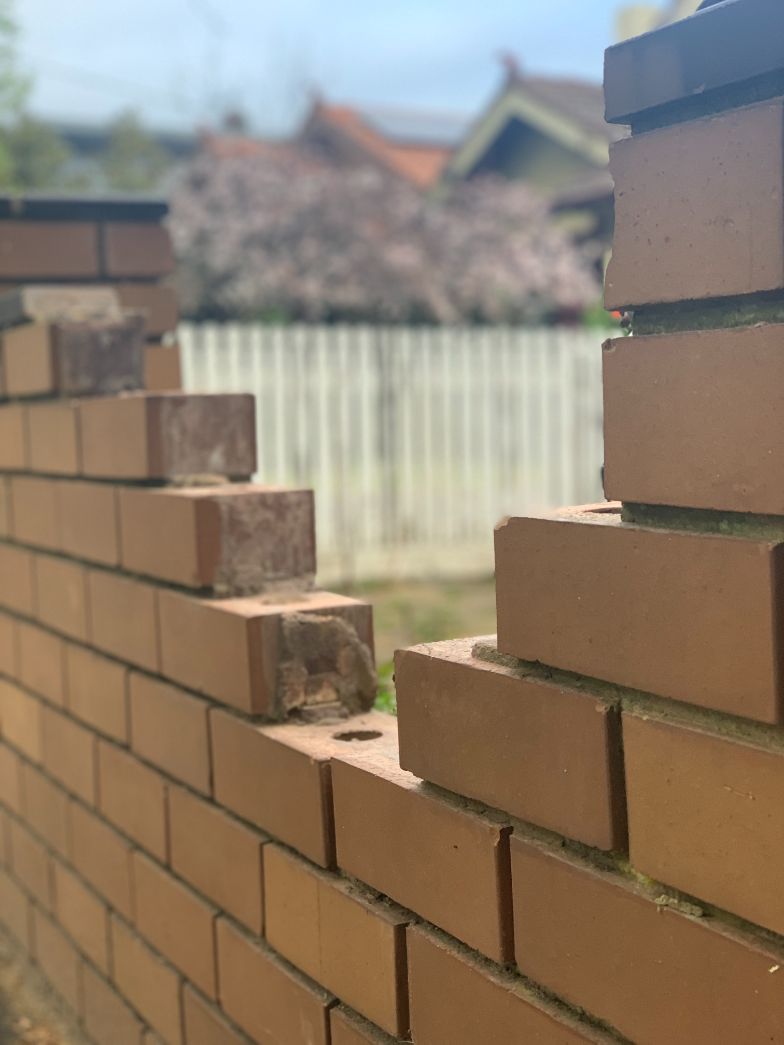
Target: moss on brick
x=721, y=313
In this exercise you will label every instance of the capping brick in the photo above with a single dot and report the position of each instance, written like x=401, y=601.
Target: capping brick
x=89, y=521
x=68, y=753
x=16, y=911
x=97, y=691
x=133, y=798
x=150, y=985
x=689, y=203
x=421, y=849
x=61, y=596
x=170, y=729
x=235, y=650
x=541, y=751
x=41, y=662
x=17, y=592
x=136, y=250
x=705, y=815
x=204, y=1025
x=124, y=618
x=45, y=807
x=233, y=538
x=106, y=1016
x=14, y=443
x=456, y=998
x=347, y=1028
x=20, y=720
x=250, y=761
x=601, y=944
x=10, y=778
x=158, y=305
x=48, y=250
x=176, y=922
x=53, y=438
x=9, y=646
x=267, y=1000
x=353, y=946
x=35, y=513
x=101, y=857
x=168, y=435
x=564, y=583
x=162, y=368
x=82, y=915
x=58, y=959
x=218, y=856
x=31, y=864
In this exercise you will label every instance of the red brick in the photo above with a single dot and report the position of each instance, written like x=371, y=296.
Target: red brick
x=101, y=857
x=133, y=798
x=53, y=432
x=45, y=807
x=218, y=856
x=15, y=911
x=489, y=729
x=137, y=250
x=350, y=944
x=17, y=591
x=82, y=915
x=20, y=720
x=10, y=778
x=346, y=1028
x=9, y=646
x=603, y=945
x=234, y=538
x=170, y=729
x=28, y=362
x=41, y=662
x=106, y=1016
x=204, y=1025
x=268, y=1001
x=421, y=849
x=14, y=442
x=157, y=303
x=147, y=982
x=35, y=511
x=58, y=959
x=89, y=523
x=237, y=651
x=251, y=760
x=165, y=436
x=31, y=864
x=97, y=691
x=162, y=369
x=124, y=618
x=48, y=250
x=68, y=752
x=176, y=922
x=61, y=595
x=564, y=582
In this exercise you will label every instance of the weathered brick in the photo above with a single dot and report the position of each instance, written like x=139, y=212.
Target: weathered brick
x=17, y=591
x=58, y=959
x=48, y=250
x=99, y=355
x=68, y=752
x=147, y=982
x=170, y=729
x=106, y=1016
x=61, y=595
x=14, y=441
x=20, y=720
x=41, y=662
x=89, y=522
x=204, y=1025
x=82, y=915
x=35, y=511
x=101, y=857
x=30, y=864
x=53, y=438
x=97, y=691
x=133, y=798
x=124, y=618
x=45, y=807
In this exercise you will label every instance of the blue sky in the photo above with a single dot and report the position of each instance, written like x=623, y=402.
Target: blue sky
x=180, y=61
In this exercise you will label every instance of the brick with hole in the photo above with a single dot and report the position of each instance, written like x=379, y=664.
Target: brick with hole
x=348, y=942
x=35, y=514
x=133, y=798
x=102, y=857
x=89, y=522
x=124, y=618
x=41, y=662
x=14, y=442
x=233, y=539
x=83, y=916
x=45, y=807
x=422, y=849
x=105, y=1015
x=57, y=958
x=250, y=760
x=170, y=729
x=17, y=591
x=68, y=753
x=150, y=985
x=20, y=720
x=54, y=438
x=61, y=596
x=603, y=944
x=271, y=657
x=16, y=911
x=204, y=1024
x=97, y=689
x=31, y=864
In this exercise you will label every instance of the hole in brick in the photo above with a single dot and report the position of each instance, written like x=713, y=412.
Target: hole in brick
x=357, y=734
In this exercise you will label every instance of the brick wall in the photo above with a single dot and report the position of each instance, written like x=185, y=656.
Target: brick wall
x=573, y=830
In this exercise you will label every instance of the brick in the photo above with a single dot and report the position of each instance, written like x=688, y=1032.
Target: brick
x=14, y=442
x=170, y=729
x=17, y=591
x=35, y=512
x=58, y=959
x=692, y=419
x=218, y=856
x=61, y=595
x=268, y=1001
x=82, y=915
x=28, y=362
x=101, y=857
x=176, y=922
x=89, y=521
x=30, y=864
x=683, y=222
x=353, y=946
x=6, y=520
x=603, y=945
x=150, y=985
x=422, y=850
x=250, y=761
x=124, y=618
x=204, y=1025
x=98, y=356
x=137, y=250
x=540, y=750
x=20, y=720
x=38, y=303
x=106, y=1016
x=53, y=433
x=165, y=436
x=457, y=999
x=97, y=691
x=346, y=1028
x=5, y=845
x=705, y=815
x=248, y=653
x=157, y=303
x=48, y=250
x=162, y=368
x=45, y=807
x=15, y=911
x=564, y=582
x=68, y=752
x=10, y=778
x=9, y=646
x=133, y=798
x=41, y=662
x=233, y=538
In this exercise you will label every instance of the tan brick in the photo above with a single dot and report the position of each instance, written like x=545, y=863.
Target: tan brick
x=18, y=590
x=148, y=983
x=170, y=729
x=106, y=1016
x=82, y=915
x=347, y=1028
x=162, y=368
x=124, y=618
x=102, y=857
x=58, y=959
x=176, y=922
x=14, y=441
x=97, y=691
x=9, y=646
x=565, y=581
x=137, y=250
x=603, y=945
x=35, y=511
x=30, y=864
x=422, y=850
x=268, y=1001
x=41, y=662
x=89, y=524
x=20, y=720
x=28, y=361
x=350, y=944
x=48, y=250
x=45, y=807
x=6, y=520
x=15, y=911
x=218, y=856
x=10, y=778
x=133, y=798
x=158, y=304
x=204, y=1025
x=61, y=596
x=68, y=752
x=53, y=433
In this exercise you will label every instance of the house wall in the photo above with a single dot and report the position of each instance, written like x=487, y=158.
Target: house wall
x=524, y=153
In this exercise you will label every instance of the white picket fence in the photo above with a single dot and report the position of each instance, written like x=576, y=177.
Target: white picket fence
x=416, y=440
